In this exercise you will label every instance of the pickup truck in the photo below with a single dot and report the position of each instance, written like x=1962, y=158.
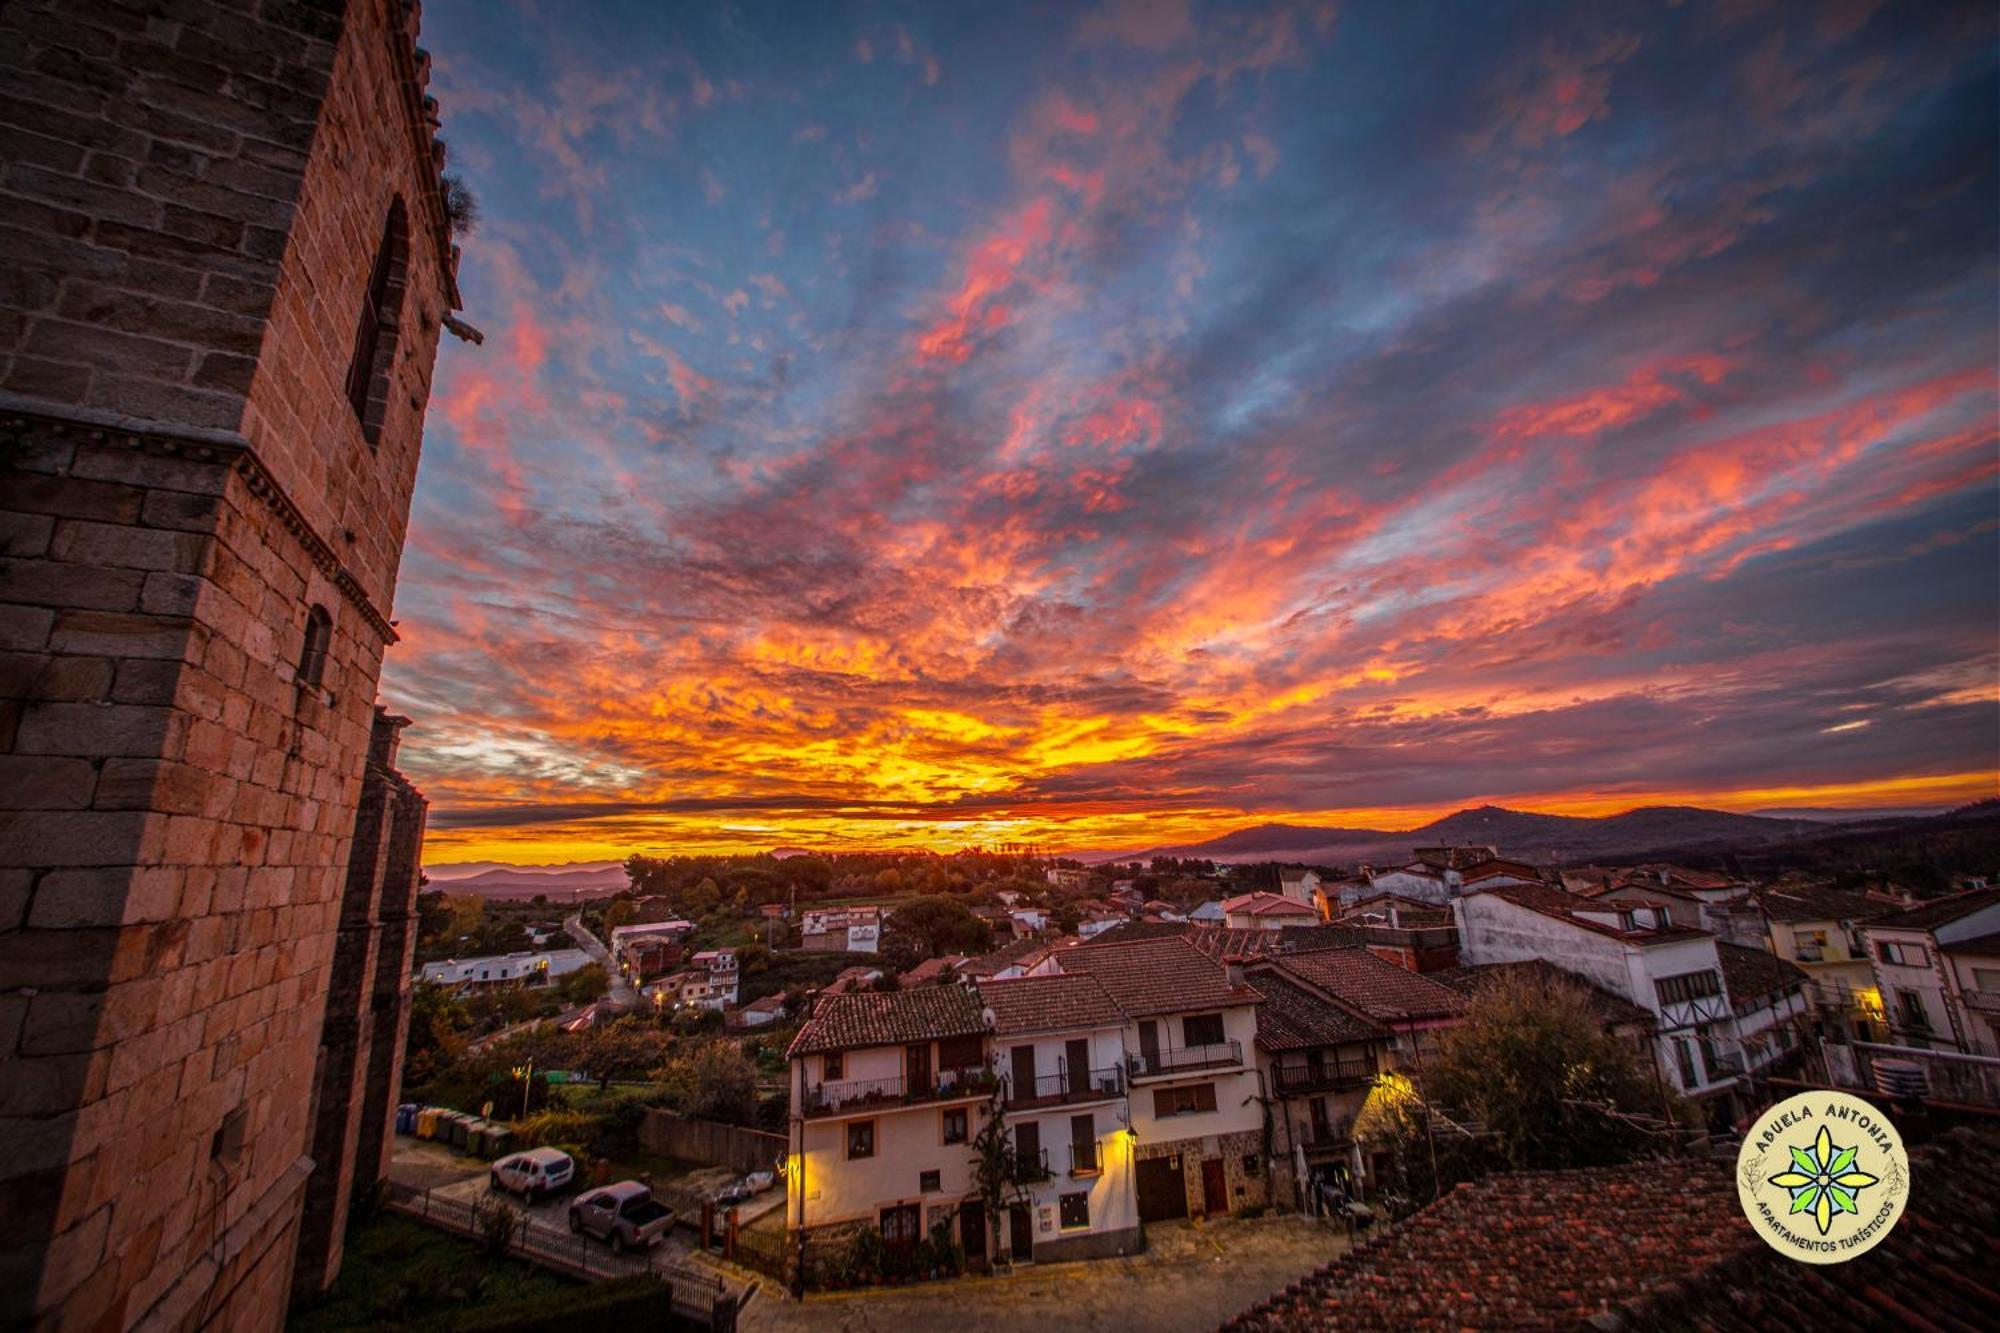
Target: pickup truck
x=624, y=1214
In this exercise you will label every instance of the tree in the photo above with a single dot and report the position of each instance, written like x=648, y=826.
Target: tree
x=586, y=984
x=1533, y=1063
x=713, y=1081
x=438, y=1023
x=932, y=926
x=623, y=1049
x=620, y=911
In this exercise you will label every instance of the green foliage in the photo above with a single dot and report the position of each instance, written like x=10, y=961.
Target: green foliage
x=586, y=984
x=713, y=1081
x=634, y=1302
x=497, y=1224
x=929, y=927
x=401, y=1274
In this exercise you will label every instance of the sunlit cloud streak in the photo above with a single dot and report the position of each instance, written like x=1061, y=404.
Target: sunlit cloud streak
x=921, y=426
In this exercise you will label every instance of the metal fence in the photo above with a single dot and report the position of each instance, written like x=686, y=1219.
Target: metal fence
x=694, y=1292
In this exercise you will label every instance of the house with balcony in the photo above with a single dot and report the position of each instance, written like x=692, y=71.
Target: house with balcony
x=1059, y=1055
x=1320, y=1060
x=1972, y=971
x=1767, y=997
x=1906, y=949
x=1819, y=929
x=889, y=1090
x=720, y=968
x=1190, y=1031
x=1633, y=949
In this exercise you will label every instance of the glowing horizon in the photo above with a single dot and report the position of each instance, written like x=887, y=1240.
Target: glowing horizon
x=1109, y=427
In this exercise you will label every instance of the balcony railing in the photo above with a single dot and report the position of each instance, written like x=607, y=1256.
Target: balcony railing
x=1083, y=1159
x=866, y=1094
x=1183, y=1059
x=1723, y=1064
x=1065, y=1086
x=1812, y=953
x=1032, y=1166
x=1290, y=1077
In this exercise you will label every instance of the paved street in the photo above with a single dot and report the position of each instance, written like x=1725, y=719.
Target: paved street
x=1191, y=1277
x=623, y=995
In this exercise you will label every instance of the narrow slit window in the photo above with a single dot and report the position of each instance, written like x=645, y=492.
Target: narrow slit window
x=375, y=336
x=313, y=653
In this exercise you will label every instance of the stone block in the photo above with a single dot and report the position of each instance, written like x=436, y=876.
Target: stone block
x=125, y=547
x=45, y=782
x=116, y=634
x=53, y=583
x=93, y=730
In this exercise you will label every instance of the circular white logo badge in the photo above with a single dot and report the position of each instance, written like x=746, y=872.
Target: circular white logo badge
x=1823, y=1177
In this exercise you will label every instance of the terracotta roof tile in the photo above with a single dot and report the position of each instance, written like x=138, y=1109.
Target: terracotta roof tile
x=1065, y=1002
x=1566, y=906
x=1820, y=904
x=1374, y=986
x=1165, y=976
x=1751, y=974
x=891, y=1018
x=1292, y=1018
x=1611, y=1006
x=1939, y=911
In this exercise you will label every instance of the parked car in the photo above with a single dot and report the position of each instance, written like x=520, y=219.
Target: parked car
x=534, y=1174
x=625, y=1214
x=747, y=1188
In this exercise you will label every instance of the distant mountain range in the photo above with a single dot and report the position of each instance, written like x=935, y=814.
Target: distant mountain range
x=559, y=883
x=1540, y=838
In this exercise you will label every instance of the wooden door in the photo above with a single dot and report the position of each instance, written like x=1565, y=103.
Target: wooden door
x=917, y=1068
x=972, y=1233
x=1021, y=1232
x=1162, y=1189
x=1076, y=1055
x=1149, y=1044
x=1024, y=1072
x=1214, y=1187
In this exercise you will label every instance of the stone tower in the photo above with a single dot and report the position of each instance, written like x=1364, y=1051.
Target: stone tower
x=225, y=261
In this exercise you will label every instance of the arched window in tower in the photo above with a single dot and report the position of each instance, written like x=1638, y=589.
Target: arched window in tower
x=312, y=656
x=375, y=339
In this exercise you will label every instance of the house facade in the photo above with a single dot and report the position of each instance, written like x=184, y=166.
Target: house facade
x=1059, y=1053
x=524, y=968
x=1320, y=1061
x=1907, y=951
x=1821, y=930
x=1972, y=972
x=1190, y=1037
x=1631, y=949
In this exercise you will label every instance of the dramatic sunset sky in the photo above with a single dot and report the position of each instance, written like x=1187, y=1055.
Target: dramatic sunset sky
x=961, y=423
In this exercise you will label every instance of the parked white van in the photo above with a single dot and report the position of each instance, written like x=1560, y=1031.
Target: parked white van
x=534, y=1174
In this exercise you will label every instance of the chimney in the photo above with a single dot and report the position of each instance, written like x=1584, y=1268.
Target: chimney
x=1233, y=967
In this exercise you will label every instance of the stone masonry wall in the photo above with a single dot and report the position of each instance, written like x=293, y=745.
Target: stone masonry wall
x=191, y=197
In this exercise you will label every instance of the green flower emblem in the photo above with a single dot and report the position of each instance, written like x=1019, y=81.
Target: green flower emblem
x=1825, y=1181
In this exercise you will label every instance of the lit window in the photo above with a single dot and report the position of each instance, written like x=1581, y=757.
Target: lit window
x=1075, y=1210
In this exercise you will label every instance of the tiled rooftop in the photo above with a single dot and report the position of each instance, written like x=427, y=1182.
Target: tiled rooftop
x=1612, y=1007
x=889, y=1018
x=1938, y=912
x=1374, y=986
x=1164, y=976
x=1060, y=1003
x=1563, y=906
x=1751, y=974
x=1821, y=904
x=1292, y=1018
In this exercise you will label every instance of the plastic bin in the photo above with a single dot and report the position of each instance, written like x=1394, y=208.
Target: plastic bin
x=499, y=1141
x=427, y=1123
x=406, y=1118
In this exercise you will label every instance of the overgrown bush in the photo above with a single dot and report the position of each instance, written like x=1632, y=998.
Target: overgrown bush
x=497, y=1224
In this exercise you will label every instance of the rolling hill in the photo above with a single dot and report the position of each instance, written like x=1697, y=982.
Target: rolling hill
x=1569, y=838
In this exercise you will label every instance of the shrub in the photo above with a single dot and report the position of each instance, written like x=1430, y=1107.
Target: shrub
x=497, y=1224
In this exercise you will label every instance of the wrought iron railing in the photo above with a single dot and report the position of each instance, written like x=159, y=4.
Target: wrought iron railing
x=861, y=1094
x=1297, y=1076
x=1178, y=1059
x=1063, y=1086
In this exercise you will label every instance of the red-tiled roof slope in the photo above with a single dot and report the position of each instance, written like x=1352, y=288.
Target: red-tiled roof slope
x=1612, y=1007
x=1292, y=1018
x=891, y=1018
x=1567, y=906
x=1537, y=1249
x=1821, y=904
x=1374, y=986
x=1060, y=1003
x=1140, y=930
x=1167, y=976
x=1261, y=903
x=1938, y=912
x=1751, y=974
x=1938, y=1268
